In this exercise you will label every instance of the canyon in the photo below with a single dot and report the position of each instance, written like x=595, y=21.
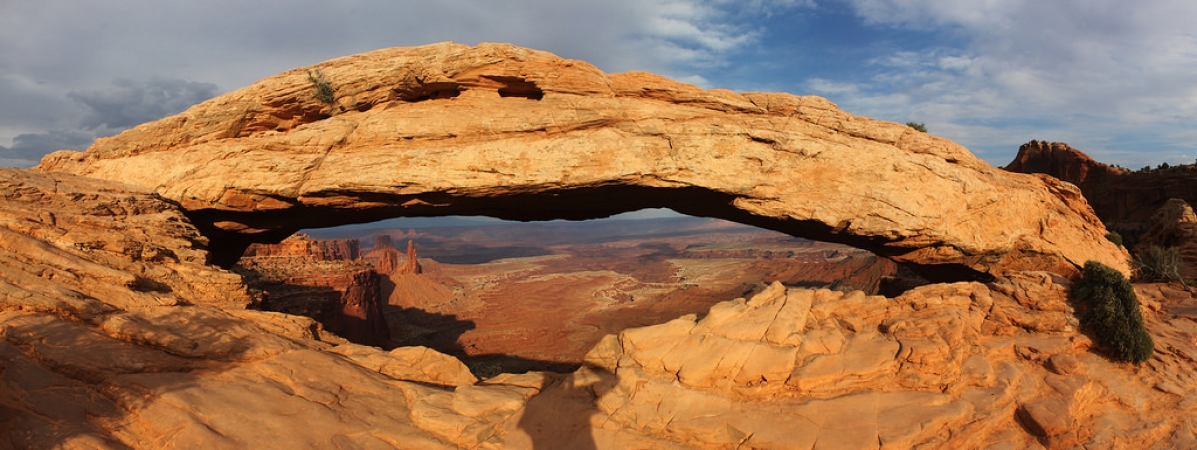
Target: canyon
x=130, y=319
x=580, y=282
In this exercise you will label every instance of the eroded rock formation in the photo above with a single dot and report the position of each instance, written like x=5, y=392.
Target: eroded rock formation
x=1174, y=225
x=313, y=278
x=114, y=334
x=521, y=134
x=412, y=264
x=1124, y=199
x=384, y=254
x=301, y=245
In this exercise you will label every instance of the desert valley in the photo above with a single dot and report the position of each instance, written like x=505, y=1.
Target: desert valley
x=218, y=278
x=520, y=296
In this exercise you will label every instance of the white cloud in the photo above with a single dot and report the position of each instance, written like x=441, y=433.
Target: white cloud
x=54, y=48
x=1095, y=69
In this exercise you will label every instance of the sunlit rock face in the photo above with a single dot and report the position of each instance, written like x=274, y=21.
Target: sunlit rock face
x=115, y=334
x=522, y=134
x=1125, y=200
x=320, y=279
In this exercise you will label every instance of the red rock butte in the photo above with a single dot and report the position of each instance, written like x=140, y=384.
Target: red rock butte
x=520, y=134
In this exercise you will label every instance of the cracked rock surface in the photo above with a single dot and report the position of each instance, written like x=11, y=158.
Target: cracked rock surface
x=509, y=132
x=115, y=334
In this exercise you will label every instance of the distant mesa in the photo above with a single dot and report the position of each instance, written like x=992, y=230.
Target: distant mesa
x=384, y=242
x=513, y=133
x=302, y=245
x=1119, y=197
x=322, y=279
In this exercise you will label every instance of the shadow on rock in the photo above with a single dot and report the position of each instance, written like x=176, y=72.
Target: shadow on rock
x=564, y=414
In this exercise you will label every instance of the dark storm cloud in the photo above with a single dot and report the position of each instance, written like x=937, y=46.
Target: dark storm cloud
x=106, y=112
x=29, y=148
x=129, y=103
x=59, y=57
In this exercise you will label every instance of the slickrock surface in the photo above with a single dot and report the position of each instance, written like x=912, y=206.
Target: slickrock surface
x=114, y=334
x=521, y=134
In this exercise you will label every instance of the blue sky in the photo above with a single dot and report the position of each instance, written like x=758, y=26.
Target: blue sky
x=1116, y=79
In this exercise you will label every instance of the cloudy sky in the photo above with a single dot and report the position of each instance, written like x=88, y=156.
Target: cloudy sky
x=1114, y=78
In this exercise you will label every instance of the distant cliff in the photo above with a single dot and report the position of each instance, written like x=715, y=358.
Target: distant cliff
x=1118, y=196
x=386, y=257
x=321, y=279
x=302, y=245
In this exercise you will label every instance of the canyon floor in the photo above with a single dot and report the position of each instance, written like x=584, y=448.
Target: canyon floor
x=512, y=297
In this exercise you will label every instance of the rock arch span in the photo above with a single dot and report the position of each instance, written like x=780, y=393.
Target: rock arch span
x=513, y=133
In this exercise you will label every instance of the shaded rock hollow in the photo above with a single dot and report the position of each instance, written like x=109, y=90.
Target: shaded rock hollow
x=508, y=132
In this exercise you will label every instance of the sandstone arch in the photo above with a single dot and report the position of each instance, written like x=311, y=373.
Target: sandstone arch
x=497, y=130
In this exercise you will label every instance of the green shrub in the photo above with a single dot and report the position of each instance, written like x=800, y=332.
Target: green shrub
x=1157, y=263
x=917, y=126
x=324, y=91
x=1110, y=310
x=1114, y=237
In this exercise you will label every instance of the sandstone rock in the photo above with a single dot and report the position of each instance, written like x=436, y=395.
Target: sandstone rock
x=418, y=364
x=100, y=348
x=1174, y=225
x=521, y=134
x=1123, y=199
x=302, y=245
x=411, y=265
x=385, y=255
x=311, y=278
x=75, y=240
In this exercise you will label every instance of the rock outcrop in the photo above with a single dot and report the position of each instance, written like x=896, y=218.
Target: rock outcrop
x=301, y=245
x=508, y=132
x=384, y=254
x=1174, y=225
x=412, y=264
x=386, y=258
x=1123, y=199
x=114, y=334
x=311, y=278
x=1064, y=162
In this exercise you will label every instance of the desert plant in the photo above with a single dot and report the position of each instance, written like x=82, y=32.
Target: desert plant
x=324, y=91
x=1156, y=263
x=917, y=126
x=1110, y=310
x=1114, y=237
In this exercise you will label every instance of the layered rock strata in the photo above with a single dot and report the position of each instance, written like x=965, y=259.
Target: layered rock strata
x=301, y=245
x=312, y=278
x=412, y=264
x=520, y=134
x=1174, y=225
x=1121, y=198
x=127, y=340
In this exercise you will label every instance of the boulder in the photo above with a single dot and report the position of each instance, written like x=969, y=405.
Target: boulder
x=514, y=133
